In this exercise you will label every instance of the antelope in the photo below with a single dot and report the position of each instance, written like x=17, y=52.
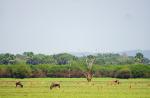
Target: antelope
x=54, y=84
x=19, y=83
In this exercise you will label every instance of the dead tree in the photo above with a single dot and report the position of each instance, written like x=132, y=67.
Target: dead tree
x=54, y=84
x=88, y=75
x=18, y=83
x=89, y=62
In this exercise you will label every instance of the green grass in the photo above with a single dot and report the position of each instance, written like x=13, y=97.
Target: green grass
x=75, y=88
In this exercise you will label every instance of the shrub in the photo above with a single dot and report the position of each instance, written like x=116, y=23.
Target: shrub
x=124, y=73
x=21, y=71
x=139, y=71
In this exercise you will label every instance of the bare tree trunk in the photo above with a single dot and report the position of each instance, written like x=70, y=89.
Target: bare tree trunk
x=89, y=73
x=89, y=76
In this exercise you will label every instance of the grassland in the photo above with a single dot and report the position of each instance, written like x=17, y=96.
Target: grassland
x=75, y=88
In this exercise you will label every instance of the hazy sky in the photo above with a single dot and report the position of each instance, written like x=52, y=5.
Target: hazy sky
x=53, y=26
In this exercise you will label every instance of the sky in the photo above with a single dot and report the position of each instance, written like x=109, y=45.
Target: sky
x=55, y=26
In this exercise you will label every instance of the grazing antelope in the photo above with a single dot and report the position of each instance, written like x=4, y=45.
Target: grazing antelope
x=114, y=82
x=19, y=83
x=54, y=84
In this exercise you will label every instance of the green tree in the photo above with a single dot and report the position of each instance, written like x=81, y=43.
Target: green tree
x=64, y=58
x=28, y=54
x=7, y=59
x=139, y=57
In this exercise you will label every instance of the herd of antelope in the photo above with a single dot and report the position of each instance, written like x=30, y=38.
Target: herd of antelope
x=57, y=84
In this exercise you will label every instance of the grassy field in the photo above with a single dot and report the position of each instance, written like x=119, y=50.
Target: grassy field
x=75, y=88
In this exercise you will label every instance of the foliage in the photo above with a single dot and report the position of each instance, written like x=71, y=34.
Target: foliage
x=74, y=70
x=21, y=71
x=140, y=70
x=29, y=64
x=64, y=58
x=124, y=73
x=139, y=57
x=7, y=59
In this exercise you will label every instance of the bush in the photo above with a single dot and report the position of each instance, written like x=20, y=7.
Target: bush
x=4, y=71
x=124, y=73
x=21, y=71
x=76, y=69
x=139, y=71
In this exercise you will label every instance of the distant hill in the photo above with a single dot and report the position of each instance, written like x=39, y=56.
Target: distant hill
x=80, y=54
x=146, y=53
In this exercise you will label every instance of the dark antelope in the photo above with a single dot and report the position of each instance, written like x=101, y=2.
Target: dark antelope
x=116, y=81
x=54, y=84
x=18, y=83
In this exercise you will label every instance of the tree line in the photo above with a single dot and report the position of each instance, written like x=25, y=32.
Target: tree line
x=65, y=58
x=29, y=64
